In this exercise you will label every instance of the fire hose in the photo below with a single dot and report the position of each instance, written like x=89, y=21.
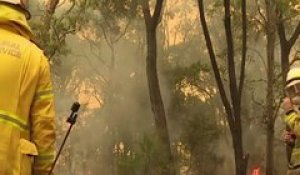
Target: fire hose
x=71, y=120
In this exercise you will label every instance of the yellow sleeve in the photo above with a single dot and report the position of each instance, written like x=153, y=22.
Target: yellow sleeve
x=293, y=121
x=43, y=122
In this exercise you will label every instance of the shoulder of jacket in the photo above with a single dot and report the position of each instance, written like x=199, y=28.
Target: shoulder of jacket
x=37, y=53
x=35, y=49
x=34, y=41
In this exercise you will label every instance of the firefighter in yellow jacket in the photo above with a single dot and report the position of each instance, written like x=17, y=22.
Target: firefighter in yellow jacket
x=27, y=129
x=291, y=106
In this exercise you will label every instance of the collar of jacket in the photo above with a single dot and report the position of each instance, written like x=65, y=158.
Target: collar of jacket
x=15, y=19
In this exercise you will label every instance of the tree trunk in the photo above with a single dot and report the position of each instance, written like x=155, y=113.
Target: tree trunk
x=285, y=50
x=238, y=152
x=284, y=55
x=156, y=99
x=286, y=45
x=49, y=12
x=50, y=8
x=241, y=160
x=271, y=37
x=233, y=109
x=270, y=149
x=157, y=105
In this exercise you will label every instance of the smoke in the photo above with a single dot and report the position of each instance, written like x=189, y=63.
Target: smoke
x=114, y=133
x=120, y=116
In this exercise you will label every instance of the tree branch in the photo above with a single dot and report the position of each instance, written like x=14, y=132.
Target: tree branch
x=281, y=31
x=244, y=50
x=260, y=13
x=295, y=36
x=230, y=58
x=215, y=65
x=122, y=33
x=146, y=12
x=108, y=40
x=51, y=6
x=157, y=12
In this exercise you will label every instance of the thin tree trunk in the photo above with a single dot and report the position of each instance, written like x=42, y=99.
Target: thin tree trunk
x=233, y=109
x=286, y=45
x=50, y=8
x=156, y=99
x=271, y=37
x=270, y=149
x=157, y=105
x=237, y=130
x=49, y=12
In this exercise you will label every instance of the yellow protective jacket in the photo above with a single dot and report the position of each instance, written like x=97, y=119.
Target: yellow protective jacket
x=27, y=126
x=293, y=121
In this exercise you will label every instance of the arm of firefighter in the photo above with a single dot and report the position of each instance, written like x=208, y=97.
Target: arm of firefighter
x=293, y=121
x=43, y=123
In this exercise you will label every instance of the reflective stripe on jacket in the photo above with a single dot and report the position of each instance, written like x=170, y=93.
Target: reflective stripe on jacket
x=26, y=100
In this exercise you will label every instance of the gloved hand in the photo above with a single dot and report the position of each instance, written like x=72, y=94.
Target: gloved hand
x=289, y=137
